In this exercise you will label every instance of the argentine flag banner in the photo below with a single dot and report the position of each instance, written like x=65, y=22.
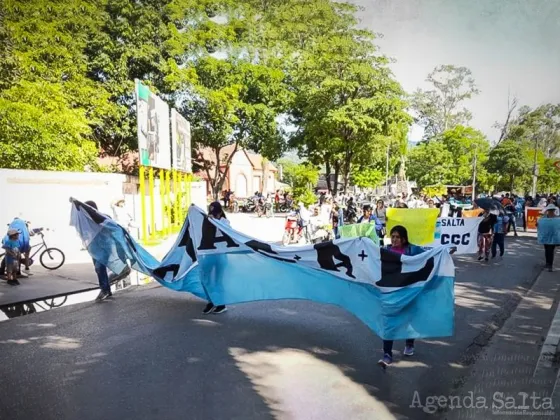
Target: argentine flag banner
x=396, y=296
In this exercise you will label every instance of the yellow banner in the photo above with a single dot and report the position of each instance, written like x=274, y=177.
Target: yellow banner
x=420, y=223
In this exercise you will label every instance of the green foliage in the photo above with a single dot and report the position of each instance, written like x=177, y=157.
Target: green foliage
x=39, y=129
x=510, y=161
x=367, y=177
x=449, y=159
x=302, y=178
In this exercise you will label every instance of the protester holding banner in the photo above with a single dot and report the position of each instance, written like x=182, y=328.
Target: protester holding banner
x=399, y=245
x=548, y=234
x=369, y=217
x=485, y=228
x=215, y=211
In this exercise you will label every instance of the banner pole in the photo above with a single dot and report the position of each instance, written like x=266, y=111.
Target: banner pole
x=152, y=204
x=162, y=196
x=142, y=175
x=188, y=190
x=180, y=198
x=168, y=200
x=175, y=203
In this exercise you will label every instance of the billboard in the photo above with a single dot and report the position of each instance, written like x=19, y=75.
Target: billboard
x=181, y=135
x=153, y=129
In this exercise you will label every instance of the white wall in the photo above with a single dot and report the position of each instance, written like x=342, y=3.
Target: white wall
x=42, y=197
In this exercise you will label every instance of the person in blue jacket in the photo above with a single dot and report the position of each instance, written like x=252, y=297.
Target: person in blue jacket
x=369, y=217
x=22, y=227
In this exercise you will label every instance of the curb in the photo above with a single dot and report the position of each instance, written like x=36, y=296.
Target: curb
x=550, y=348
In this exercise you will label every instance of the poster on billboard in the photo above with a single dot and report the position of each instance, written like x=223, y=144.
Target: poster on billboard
x=181, y=136
x=153, y=129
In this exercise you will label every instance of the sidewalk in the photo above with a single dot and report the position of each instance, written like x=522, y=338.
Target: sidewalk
x=42, y=283
x=510, y=370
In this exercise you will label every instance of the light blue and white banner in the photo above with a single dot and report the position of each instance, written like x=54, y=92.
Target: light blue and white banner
x=397, y=296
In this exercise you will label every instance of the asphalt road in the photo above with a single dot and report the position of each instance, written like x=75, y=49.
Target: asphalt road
x=151, y=354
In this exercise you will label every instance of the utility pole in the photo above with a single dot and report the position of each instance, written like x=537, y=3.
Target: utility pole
x=534, y=189
x=387, y=173
x=474, y=174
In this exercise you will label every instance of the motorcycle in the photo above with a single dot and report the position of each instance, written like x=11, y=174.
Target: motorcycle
x=249, y=206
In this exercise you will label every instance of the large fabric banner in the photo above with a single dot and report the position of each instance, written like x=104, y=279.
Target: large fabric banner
x=359, y=230
x=420, y=223
x=397, y=296
x=548, y=231
x=461, y=233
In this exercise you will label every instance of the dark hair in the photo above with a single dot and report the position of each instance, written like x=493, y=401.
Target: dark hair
x=92, y=204
x=403, y=233
x=367, y=207
x=216, y=210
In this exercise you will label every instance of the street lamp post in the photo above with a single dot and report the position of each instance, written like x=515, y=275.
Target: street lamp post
x=387, y=173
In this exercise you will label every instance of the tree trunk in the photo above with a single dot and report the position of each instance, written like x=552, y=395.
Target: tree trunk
x=336, y=174
x=328, y=174
x=347, y=167
x=265, y=176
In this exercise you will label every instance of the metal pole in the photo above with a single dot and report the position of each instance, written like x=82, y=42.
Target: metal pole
x=474, y=175
x=387, y=173
x=534, y=189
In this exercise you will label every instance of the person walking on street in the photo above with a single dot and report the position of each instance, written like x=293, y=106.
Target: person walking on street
x=216, y=212
x=485, y=233
x=499, y=234
x=101, y=270
x=553, y=236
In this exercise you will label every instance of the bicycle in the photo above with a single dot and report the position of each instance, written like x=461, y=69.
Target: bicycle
x=51, y=258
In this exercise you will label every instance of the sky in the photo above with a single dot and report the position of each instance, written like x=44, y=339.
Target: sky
x=509, y=45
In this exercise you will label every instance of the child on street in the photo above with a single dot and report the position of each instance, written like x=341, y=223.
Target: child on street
x=13, y=256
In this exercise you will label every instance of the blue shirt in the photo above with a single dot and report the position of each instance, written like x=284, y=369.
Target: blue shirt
x=10, y=245
x=499, y=226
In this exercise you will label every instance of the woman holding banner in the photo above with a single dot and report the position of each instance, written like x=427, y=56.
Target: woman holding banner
x=548, y=231
x=400, y=245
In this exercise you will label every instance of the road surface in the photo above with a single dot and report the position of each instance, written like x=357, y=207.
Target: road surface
x=150, y=353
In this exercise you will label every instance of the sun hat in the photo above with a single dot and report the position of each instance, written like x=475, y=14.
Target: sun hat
x=550, y=207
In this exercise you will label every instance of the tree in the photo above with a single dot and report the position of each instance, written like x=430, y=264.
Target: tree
x=302, y=178
x=509, y=160
x=439, y=109
x=430, y=163
x=346, y=100
x=449, y=159
x=367, y=177
x=39, y=129
x=235, y=102
x=467, y=146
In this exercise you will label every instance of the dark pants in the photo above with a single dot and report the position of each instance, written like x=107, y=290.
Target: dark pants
x=549, y=254
x=498, y=242
x=102, y=276
x=388, y=346
x=512, y=223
